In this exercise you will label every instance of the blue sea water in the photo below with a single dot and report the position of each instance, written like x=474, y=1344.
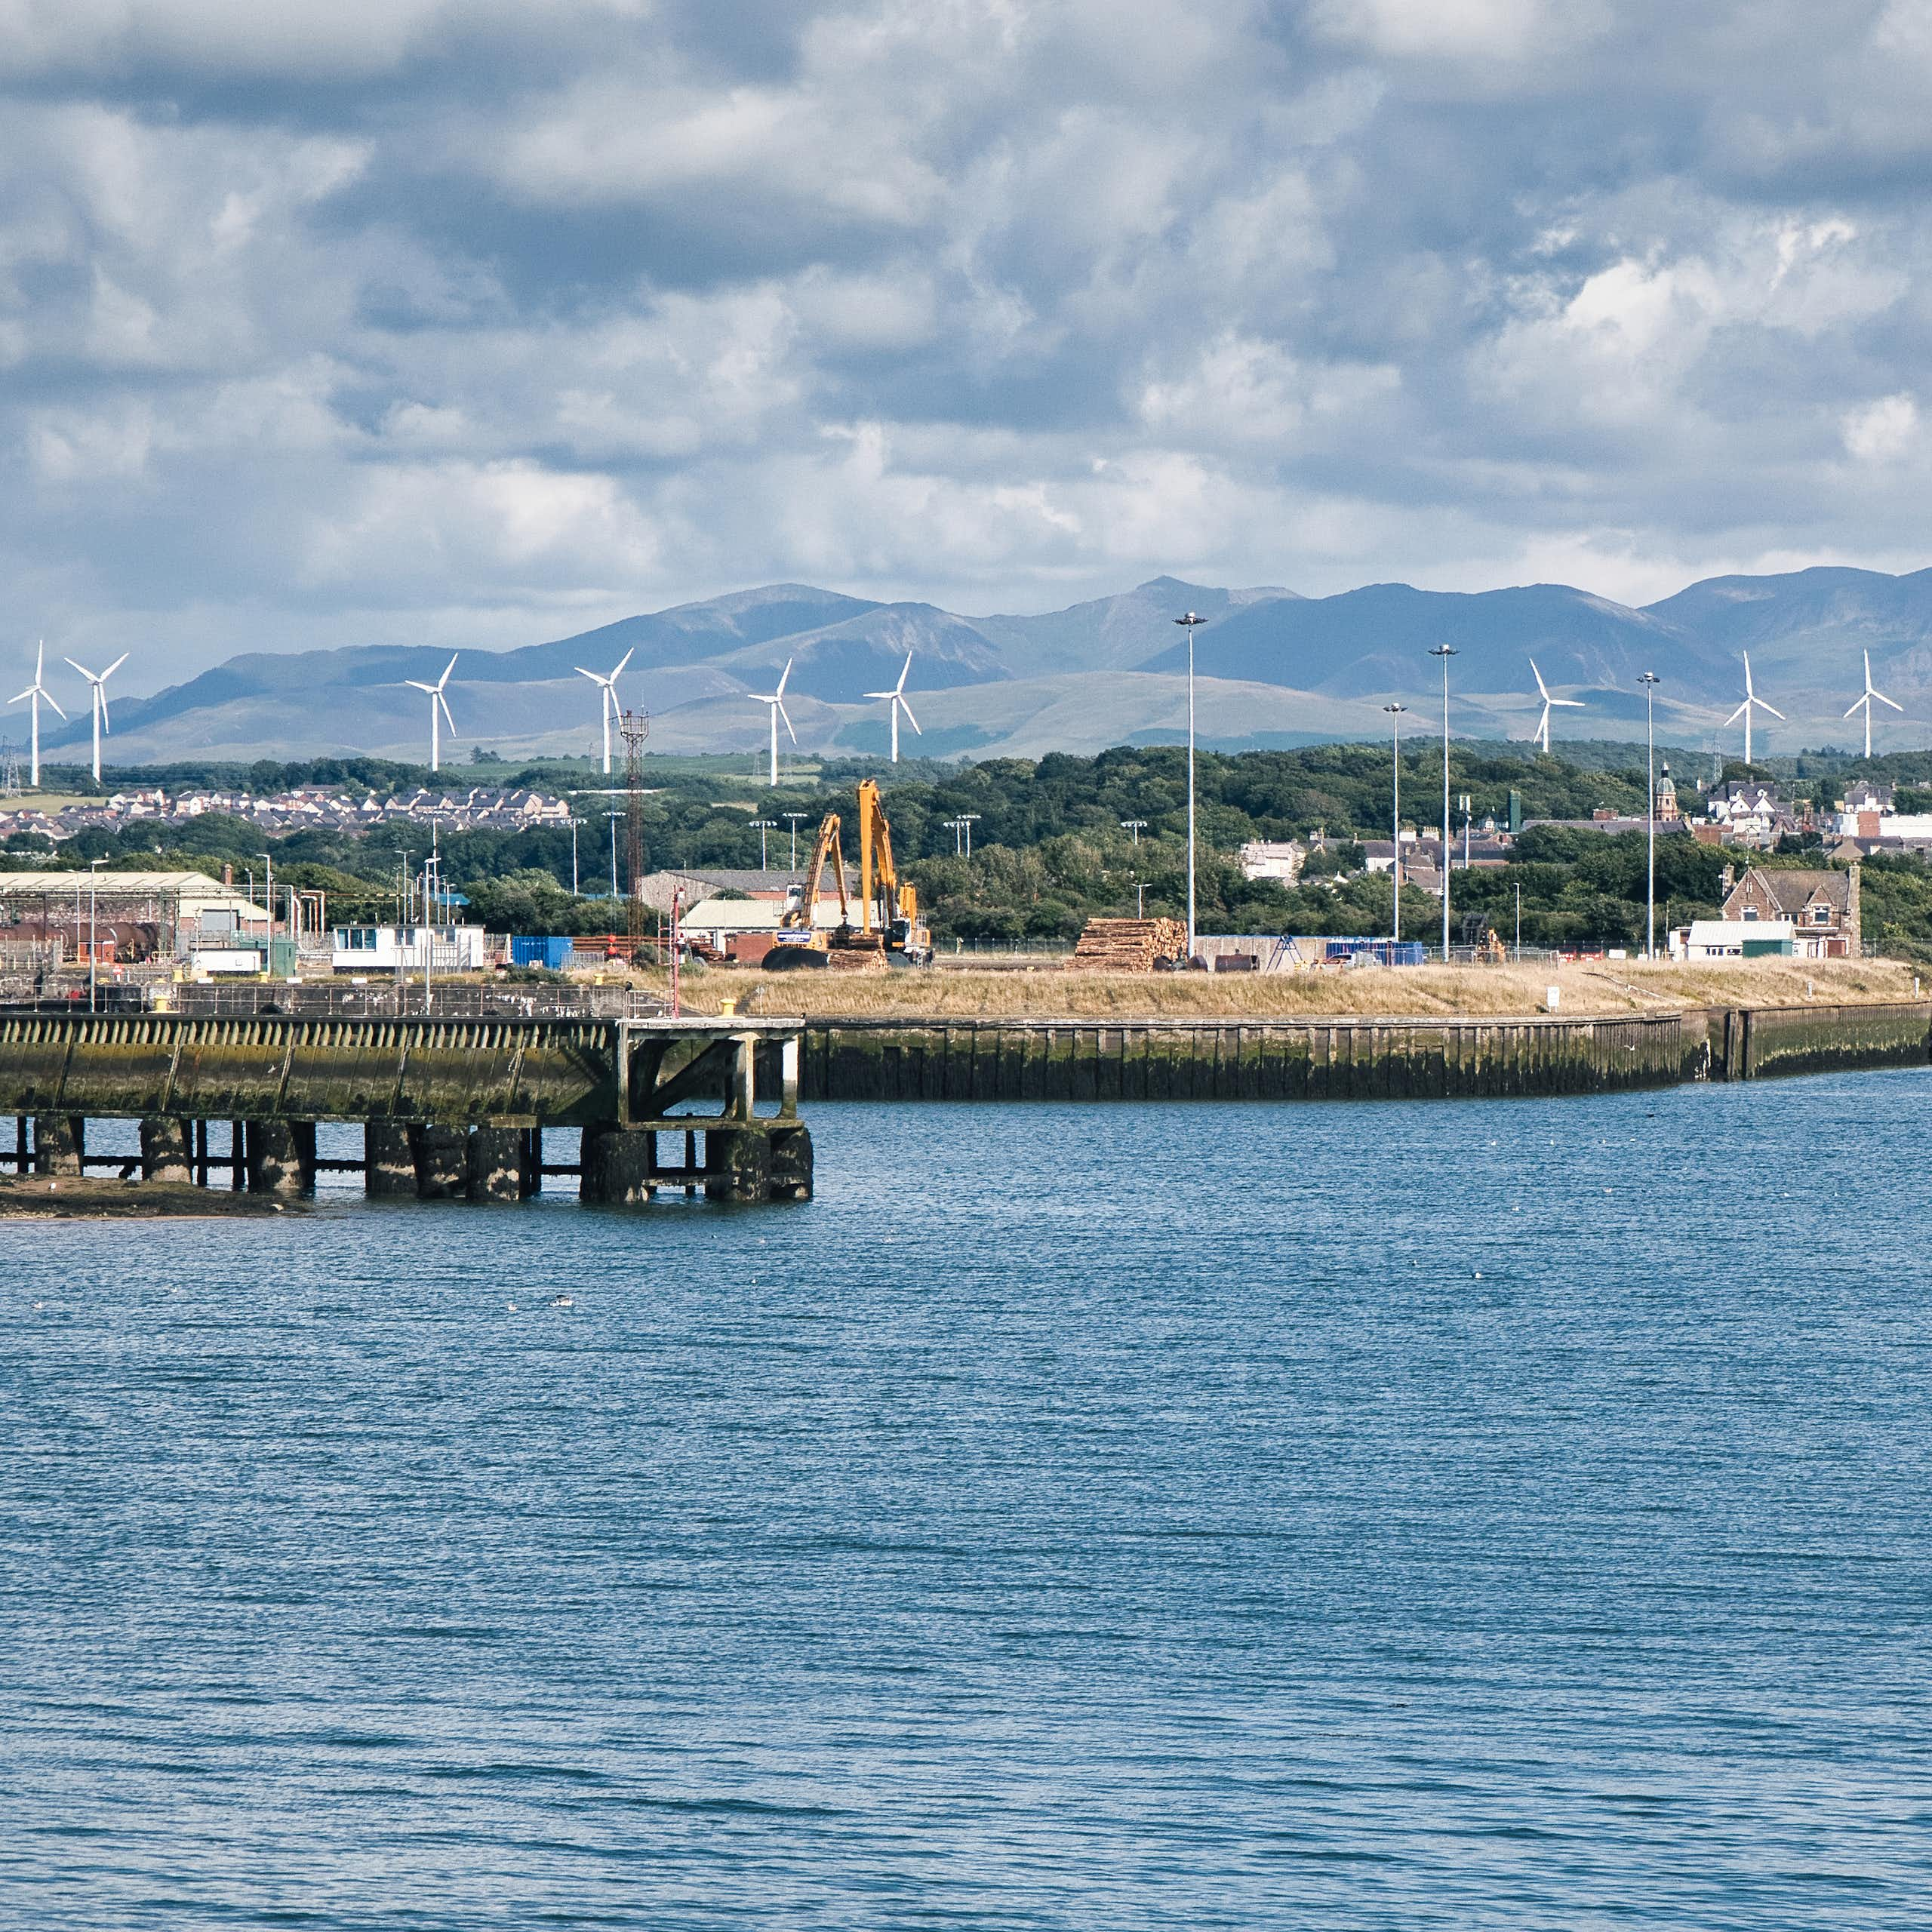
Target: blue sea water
x=1509, y=1515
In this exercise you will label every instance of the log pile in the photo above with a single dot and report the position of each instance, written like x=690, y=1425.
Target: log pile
x=1128, y=946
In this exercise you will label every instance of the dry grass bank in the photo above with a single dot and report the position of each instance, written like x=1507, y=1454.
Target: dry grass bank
x=1597, y=987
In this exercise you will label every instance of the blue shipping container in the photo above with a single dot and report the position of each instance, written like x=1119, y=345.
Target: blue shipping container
x=526, y=950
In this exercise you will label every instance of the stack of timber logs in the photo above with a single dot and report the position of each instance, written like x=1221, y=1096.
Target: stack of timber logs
x=1128, y=946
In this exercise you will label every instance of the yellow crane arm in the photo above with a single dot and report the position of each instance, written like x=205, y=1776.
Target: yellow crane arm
x=826, y=847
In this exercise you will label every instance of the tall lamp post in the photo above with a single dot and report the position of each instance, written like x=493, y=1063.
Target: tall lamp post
x=1445, y=652
x=1649, y=681
x=761, y=826
x=1133, y=828
x=966, y=821
x=613, y=817
x=1395, y=811
x=93, y=944
x=792, y=819
x=1188, y=623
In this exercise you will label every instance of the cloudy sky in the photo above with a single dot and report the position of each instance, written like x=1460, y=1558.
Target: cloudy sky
x=480, y=321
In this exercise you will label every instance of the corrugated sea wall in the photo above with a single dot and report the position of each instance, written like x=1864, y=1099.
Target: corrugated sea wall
x=1345, y=1059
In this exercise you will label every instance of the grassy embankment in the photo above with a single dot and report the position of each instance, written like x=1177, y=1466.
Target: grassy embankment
x=1597, y=987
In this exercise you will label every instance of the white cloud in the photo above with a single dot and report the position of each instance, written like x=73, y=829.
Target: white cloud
x=1883, y=431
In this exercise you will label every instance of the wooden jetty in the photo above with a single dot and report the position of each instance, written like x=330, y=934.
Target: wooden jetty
x=451, y=1108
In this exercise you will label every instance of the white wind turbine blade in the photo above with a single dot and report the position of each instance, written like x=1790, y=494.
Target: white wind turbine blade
x=446, y=670
x=115, y=666
x=1739, y=713
x=595, y=677
x=47, y=697
x=1771, y=708
x=416, y=685
x=1884, y=700
x=1858, y=704
x=1542, y=690
x=780, y=691
x=909, y=718
x=787, y=716
x=899, y=689
x=445, y=703
x=610, y=703
x=1568, y=703
x=618, y=670
x=85, y=672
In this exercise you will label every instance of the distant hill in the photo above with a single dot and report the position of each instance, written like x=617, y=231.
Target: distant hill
x=1272, y=668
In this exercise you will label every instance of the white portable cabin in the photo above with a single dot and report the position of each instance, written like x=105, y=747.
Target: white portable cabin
x=375, y=950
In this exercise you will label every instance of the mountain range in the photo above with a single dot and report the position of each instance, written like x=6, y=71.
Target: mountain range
x=1273, y=669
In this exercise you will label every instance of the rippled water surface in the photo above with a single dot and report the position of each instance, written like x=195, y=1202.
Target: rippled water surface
x=1465, y=1516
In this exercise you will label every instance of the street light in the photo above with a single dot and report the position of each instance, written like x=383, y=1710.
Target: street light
x=1133, y=826
x=1445, y=652
x=792, y=819
x=613, y=817
x=966, y=821
x=94, y=954
x=761, y=826
x=1188, y=623
x=1649, y=681
x=574, y=890
x=1394, y=711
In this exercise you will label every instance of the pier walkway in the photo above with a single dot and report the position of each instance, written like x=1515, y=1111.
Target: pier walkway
x=451, y=1106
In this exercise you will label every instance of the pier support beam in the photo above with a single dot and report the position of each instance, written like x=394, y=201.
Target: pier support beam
x=442, y=1162
x=59, y=1141
x=791, y=1162
x=738, y=1163
x=166, y=1150
x=616, y=1164
x=498, y=1163
x=389, y=1167
x=280, y=1156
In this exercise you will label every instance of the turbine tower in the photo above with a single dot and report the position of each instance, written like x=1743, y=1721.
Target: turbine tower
x=38, y=692
x=1751, y=700
x=612, y=710
x=1864, y=703
x=100, y=724
x=439, y=710
x=777, y=701
x=897, y=695
x=1541, y=735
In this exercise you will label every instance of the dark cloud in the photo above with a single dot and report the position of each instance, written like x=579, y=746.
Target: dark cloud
x=467, y=321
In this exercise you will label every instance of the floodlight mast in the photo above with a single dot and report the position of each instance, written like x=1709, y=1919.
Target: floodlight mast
x=1188, y=622
x=1649, y=681
x=1445, y=652
x=1395, y=711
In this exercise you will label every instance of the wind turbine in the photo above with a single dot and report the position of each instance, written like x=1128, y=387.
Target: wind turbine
x=1541, y=734
x=897, y=695
x=777, y=701
x=37, y=690
x=100, y=724
x=1864, y=703
x=609, y=688
x=1751, y=699
x=438, y=704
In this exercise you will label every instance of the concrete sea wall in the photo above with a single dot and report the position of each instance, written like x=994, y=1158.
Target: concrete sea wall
x=1346, y=1060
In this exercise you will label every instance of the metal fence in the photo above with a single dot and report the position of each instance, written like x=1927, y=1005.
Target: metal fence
x=452, y=1001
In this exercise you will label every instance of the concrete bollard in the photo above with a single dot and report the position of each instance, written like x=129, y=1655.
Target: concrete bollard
x=738, y=1163
x=59, y=1141
x=442, y=1162
x=790, y=1163
x=280, y=1155
x=389, y=1172
x=616, y=1164
x=165, y=1152
x=498, y=1159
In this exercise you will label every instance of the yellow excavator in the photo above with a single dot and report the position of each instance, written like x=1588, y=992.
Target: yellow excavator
x=888, y=932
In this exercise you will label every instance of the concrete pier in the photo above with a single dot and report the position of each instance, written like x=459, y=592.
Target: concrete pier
x=59, y=1143
x=280, y=1156
x=389, y=1163
x=498, y=1163
x=450, y=1109
x=167, y=1152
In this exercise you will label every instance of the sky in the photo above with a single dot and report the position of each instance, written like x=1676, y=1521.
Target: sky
x=479, y=322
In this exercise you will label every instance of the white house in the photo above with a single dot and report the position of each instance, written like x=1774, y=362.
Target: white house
x=377, y=949
x=1706, y=939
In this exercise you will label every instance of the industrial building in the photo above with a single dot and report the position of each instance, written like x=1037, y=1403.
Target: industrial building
x=143, y=916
